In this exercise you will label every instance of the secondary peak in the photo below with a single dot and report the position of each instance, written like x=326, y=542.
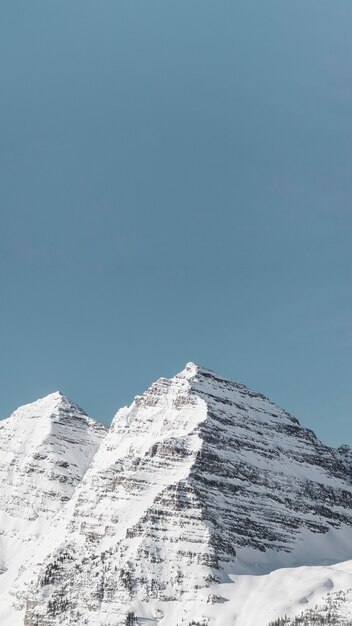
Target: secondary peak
x=47, y=406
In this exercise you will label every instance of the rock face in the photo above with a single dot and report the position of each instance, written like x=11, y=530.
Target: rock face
x=45, y=449
x=198, y=479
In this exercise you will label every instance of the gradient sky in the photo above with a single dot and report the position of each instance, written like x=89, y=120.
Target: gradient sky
x=176, y=183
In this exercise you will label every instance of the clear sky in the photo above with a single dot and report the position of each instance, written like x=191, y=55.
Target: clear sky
x=176, y=184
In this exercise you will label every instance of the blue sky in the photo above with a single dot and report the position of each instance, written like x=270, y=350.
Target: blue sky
x=175, y=185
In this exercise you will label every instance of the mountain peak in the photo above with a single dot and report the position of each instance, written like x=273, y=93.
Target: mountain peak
x=190, y=370
x=198, y=481
x=50, y=405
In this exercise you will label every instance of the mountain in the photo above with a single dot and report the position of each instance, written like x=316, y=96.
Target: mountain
x=45, y=449
x=205, y=503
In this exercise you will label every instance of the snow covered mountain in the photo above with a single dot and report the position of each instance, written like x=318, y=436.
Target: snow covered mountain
x=45, y=449
x=203, y=500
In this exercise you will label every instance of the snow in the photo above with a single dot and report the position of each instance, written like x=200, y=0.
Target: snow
x=257, y=600
x=46, y=448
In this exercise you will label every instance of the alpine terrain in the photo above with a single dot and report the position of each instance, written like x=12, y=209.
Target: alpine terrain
x=203, y=504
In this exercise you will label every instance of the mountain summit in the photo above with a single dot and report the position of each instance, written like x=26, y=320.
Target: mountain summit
x=200, y=480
